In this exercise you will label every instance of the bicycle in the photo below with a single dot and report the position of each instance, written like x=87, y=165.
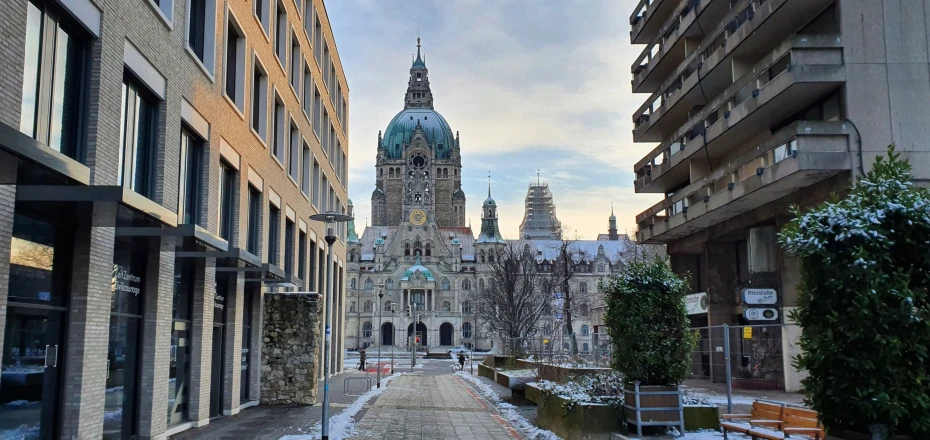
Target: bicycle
x=358, y=366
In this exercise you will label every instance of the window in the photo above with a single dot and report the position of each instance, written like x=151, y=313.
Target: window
x=584, y=330
x=466, y=329
x=352, y=283
x=389, y=284
x=262, y=13
x=296, y=63
x=227, y=200
x=324, y=202
x=387, y=306
x=234, y=67
x=445, y=284
x=201, y=25
x=366, y=328
x=288, y=247
x=345, y=122
x=190, y=179
x=280, y=34
x=137, y=138
x=255, y=221
x=316, y=185
x=302, y=255
x=278, y=130
x=446, y=306
x=317, y=109
x=274, y=224
x=293, y=159
x=352, y=306
x=324, y=132
x=260, y=101
x=585, y=347
x=308, y=92
x=318, y=41
x=583, y=287
x=164, y=7
x=311, y=261
x=332, y=200
x=308, y=20
x=466, y=284
x=367, y=307
x=466, y=307
x=368, y=284
x=54, y=78
x=305, y=171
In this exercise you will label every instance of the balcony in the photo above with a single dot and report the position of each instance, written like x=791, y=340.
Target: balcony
x=648, y=17
x=794, y=75
x=677, y=39
x=755, y=29
x=796, y=157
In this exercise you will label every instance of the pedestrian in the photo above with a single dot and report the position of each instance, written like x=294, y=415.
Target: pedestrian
x=462, y=360
x=363, y=358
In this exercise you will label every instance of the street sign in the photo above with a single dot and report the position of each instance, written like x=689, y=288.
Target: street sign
x=759, y=296
x=747, y=332
x=696, y=303
x=760, y=314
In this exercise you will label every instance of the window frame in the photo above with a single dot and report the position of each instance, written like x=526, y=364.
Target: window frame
x=280, y=42
x=254, y=232
x=262, y=117
x=226, y=211
x=290, y=230
x=239, y=70
x=135, y=93
x=279, y=135
x=274, y=234
x=264, y=22
x=207, y=59
x=306, y=160
x=294, y=148
x=190, y=177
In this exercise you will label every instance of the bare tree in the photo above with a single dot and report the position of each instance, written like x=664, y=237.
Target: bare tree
x=568, y=262
x=512, y=301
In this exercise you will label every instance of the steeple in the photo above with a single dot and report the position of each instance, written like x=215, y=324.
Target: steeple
x=419, y=94
x=490, y=233
x=612, y=229
x=351, y=236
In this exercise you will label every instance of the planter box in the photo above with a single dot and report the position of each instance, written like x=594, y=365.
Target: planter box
x=486, y=371
x=653, y=406
x=583, y=421
x=499, y=361
x=560, y=374
x=699, y=417
x=533, y=394
x=514, y=382
x=523, y=364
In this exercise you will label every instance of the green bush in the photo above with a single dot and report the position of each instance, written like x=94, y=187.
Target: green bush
x=863, y=303
x=648, y=324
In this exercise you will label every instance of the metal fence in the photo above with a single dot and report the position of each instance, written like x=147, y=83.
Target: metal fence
x=591, y=349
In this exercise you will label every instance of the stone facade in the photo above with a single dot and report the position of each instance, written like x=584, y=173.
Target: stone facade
x=290, y=342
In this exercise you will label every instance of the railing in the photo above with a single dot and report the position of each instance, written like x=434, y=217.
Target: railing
x=668, y=35
x=640, y=11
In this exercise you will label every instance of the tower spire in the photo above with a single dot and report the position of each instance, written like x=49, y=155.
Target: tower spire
x=489, y=184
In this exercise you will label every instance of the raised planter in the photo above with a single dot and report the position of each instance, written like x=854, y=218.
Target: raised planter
x=699, y=417
x=486, y=371
x=533, y=394
x=650, y=405
x=562, y=374
x=583, y=421
x=514, y=379
x=499, y=361
x=523, y=364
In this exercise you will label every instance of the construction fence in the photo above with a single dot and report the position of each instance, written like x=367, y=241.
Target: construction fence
x=591, y=349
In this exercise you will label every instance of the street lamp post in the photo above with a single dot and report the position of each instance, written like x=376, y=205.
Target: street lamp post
x=380, y=309
x=330, y=218
x=393, y=336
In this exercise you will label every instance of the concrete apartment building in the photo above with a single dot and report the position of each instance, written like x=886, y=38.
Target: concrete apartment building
x=159, y=161
x=757, y=105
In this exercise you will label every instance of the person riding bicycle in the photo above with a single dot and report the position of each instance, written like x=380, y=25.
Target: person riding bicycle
x=363, y=358
x=462, y=359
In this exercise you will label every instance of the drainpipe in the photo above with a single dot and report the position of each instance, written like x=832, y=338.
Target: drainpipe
x=859, y=143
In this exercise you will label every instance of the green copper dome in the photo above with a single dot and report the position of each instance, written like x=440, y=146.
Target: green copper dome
x=400, y=130
x=418, y=268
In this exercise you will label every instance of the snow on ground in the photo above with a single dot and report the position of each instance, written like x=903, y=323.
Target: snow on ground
x=342, y=425
x=508, y=411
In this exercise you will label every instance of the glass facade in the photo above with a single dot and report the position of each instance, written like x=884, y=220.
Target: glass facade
x=33, y=346
x=179, y=372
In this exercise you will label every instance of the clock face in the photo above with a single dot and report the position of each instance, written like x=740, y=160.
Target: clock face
x=418, y=217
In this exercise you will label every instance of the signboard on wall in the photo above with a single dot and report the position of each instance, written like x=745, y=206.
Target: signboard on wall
x=696, y=303
x=759, y=296
x=760, y=314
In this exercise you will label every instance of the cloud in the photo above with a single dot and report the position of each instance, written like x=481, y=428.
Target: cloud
x=543, y=86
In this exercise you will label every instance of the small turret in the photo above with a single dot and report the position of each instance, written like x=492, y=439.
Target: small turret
x=612, y=228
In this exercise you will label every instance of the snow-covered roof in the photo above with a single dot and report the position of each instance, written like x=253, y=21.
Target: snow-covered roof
x=372, y=234
x=581, y=249
x=465, y=239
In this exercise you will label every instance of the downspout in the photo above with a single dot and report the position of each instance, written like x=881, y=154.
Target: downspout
x=859, y=143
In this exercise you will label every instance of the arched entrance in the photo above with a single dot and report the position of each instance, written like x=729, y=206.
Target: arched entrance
x=387, y=334
x=445, y=334
x=421, y=332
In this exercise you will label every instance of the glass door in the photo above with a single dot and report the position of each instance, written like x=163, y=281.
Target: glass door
x=33, y=339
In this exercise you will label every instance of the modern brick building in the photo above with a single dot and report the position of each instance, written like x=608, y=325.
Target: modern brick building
x=757, y=105
x=159, y=161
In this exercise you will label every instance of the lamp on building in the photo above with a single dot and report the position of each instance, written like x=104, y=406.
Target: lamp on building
x=330, y=219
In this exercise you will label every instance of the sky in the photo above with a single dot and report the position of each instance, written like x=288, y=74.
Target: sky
x=529, y=85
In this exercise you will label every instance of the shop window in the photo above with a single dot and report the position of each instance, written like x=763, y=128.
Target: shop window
x=126, y=308
x=138, y=128
x=246, y=366
x=201, y=31
x=227, y=200
x=253, y=239
x=54, y=78
x=288, y=247
x=274, y=226
x=180, y=350
x=191, y=184
x=234, y=68
x=259, y=100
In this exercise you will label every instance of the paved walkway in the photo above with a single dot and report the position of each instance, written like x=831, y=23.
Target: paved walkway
x=432, y=407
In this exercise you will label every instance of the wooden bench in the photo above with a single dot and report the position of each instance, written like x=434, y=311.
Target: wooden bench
x=775, y=422
x=761, y=414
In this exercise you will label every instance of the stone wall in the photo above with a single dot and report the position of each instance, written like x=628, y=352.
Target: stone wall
x=291, y=337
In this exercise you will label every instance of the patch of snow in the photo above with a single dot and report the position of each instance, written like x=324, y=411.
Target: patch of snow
x=113, y=415
x=508, y=411
x=118, y=389
x=22, y=432
x=342, y=425
x=19, y=403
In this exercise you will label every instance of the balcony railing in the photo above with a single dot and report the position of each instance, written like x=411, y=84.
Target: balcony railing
x=816, y=150
x=647, y=18
x=732, y=105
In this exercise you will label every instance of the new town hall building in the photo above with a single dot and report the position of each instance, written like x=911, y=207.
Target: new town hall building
x=419, y=251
